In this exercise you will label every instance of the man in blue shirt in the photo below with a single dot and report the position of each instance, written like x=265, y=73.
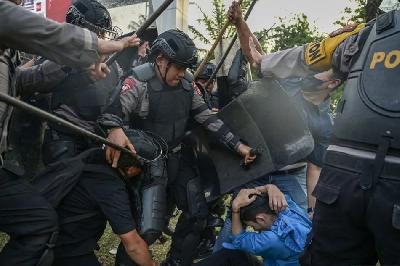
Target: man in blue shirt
x=281, y=235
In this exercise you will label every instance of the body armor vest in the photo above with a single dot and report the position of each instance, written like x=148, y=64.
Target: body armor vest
x=370, y=108
x=88, y=100
x=169, y=108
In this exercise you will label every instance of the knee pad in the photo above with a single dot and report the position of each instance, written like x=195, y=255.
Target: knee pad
x=154, y=211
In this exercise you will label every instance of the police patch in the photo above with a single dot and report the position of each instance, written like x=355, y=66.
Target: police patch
x=129, y=84
x=197, y=89
x=315, y=52
x=318, y=55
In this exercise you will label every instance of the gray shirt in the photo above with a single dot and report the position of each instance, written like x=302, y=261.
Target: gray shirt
x=285, y=64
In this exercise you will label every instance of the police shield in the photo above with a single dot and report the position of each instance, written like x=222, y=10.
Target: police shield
x=265, y=118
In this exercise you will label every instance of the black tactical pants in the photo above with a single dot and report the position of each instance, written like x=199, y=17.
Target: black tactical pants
x=352, y=226
x=186, y=191
x=27, y=217
x=84, y=260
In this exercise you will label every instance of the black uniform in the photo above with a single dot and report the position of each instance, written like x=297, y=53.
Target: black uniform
x=102, y=194
x=79, y=101
x=77, y=98
x=25, y=215
x=357, y=216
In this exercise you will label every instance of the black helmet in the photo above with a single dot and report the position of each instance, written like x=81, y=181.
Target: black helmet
x=149, y=147
x=176, y=46
x=92, y=15
x=207, y=72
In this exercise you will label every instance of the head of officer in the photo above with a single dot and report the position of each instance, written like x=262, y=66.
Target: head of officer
x=205, y=75
x=93, y=16
x=172, y=53
x=149, y=148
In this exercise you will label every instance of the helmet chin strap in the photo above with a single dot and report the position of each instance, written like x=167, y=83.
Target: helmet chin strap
x=164, y=78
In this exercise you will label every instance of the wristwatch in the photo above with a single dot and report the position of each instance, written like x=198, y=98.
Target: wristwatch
x=310, y=210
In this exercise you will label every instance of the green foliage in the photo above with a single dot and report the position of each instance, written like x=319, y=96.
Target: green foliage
x=288, y=33
x=336, y=95
x=364, y=10
x=215, y=22
x=354, y=15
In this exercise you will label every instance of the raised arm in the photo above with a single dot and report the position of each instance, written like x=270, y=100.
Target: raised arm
x=243, y=199
x=243, y=31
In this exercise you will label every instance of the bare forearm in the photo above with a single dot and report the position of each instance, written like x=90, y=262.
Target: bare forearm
x=237, y=227
x=140, y=254
x=258, y=45
x=244, y=34
x=136, y=248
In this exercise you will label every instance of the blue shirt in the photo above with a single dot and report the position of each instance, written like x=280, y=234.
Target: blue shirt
x=283, y=243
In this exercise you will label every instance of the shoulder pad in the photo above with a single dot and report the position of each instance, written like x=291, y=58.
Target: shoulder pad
x=187, y=85
x=318, y=55
x=144, y=72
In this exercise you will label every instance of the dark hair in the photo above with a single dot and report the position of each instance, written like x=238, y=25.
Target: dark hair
x=260, y=205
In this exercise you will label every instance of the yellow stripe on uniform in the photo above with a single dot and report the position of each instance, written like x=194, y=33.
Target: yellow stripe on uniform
x=318, y=56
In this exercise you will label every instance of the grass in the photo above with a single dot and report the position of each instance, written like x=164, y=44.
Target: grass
x=109, y=241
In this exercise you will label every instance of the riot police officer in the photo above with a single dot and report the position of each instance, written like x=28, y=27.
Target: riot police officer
x=356, y=219
x=357, y=214
x=97, y=193
x=26, y=216
x=77, y=98
x=161, y=99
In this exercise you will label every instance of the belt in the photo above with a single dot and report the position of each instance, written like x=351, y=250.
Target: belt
x=360, y=165
x=288, y=172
